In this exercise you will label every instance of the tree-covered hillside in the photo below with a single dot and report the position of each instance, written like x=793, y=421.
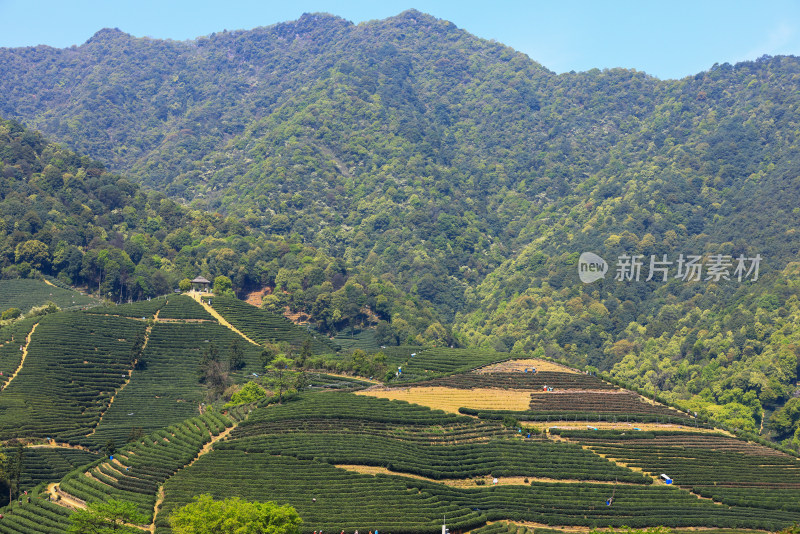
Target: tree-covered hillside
x=456, y=183
x=407, y=145
x=65, y=215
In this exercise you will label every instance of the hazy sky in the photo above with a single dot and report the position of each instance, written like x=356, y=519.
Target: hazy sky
x=668, y=39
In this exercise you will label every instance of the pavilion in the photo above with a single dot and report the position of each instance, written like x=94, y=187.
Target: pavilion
x=201, y=284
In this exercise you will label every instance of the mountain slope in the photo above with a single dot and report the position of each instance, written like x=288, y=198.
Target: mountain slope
x=65, y=215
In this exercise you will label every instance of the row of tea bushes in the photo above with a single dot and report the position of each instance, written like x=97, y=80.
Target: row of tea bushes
x=584, y=416
x=623, y=402
x=144, y=309
x=26, y=294
x=341, y=405
x=442, y=361
x=729, y=470
x=183, y=307
x=36, y=517
x=460, y=432
x=46, y=464
x=519, y=380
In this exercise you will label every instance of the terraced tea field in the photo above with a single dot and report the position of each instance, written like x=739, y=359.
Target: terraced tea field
x=139, y=310
x=78, y=385
x=26, y=294
x=185, y=308
x=717, y=467
x=306, y=439
x=430, y=363
x=362, y=339
x=546, y=396
x=43, y=464
x=396, y=457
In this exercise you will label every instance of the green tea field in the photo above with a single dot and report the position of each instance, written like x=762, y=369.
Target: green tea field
x=495, y=443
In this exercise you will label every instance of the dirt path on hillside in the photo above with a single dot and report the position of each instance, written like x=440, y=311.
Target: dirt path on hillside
x=63, y=498
x=24, y=355
x=205, y=450
x=66, y=500
x=220, y=319
x=52, y=444
x=341, y=375
x=476, y=482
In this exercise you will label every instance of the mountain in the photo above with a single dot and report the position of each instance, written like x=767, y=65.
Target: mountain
x=468, y=180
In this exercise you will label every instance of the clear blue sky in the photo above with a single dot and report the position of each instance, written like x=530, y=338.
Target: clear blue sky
x=668, y=39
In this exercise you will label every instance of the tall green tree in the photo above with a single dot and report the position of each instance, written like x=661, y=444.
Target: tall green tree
x=280, y=375
x=236, y=359
x=11, y=468
x=213, y=371
x=222, y=285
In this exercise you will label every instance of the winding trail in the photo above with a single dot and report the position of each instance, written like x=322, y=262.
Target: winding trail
x=24, y=355
x=205, y=450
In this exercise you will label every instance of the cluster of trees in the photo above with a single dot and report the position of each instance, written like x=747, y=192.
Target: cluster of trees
x=11, y=470
x=203, y=515
x=286, y=369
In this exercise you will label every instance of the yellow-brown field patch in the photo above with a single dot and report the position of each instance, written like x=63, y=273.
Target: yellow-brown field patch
x=451, y=399
x=513, y=366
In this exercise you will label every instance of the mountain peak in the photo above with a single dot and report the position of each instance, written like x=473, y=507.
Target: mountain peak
x=108, y=34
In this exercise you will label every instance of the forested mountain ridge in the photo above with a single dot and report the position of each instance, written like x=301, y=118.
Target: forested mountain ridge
x=463, y=173
x=424, y=124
